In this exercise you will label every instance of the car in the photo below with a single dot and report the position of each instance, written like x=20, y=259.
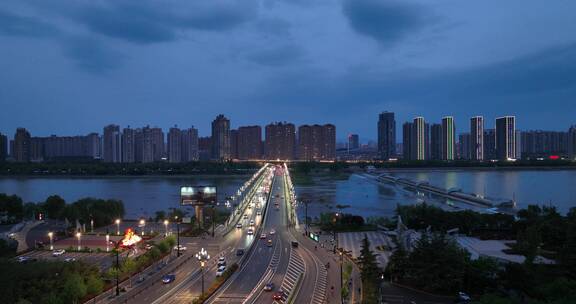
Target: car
x=263, y=236
x=221, y=262
x=251, y=222
x=148, y=246
x=250, y=231
x=220, y=271
x=58, y=252
x=245, y=216
x=169, y=278
x=294, y=244
x=279, y=295
x=258, y=213
x=463, y=297
x=240, y=252
x=269, y=287
x=181, y=247
x=23, y=259
x=272, y=231
x=269, y=243
x=239, y=226
x=68, y=260
x=141, y=279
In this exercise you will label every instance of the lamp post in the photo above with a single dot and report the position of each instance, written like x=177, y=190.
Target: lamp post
x=92, y=225
x=143, y=225
x=177, y=236
x=79, y=235
x=51, y=236
x=117, y=226
x=334, y=232
x=202, y=256
x=107, y=242
x=166, y=226
x=117, y=249
x=341, y=277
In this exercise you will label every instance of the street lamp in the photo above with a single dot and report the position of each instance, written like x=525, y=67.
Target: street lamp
x=202, y=256
x=177, y=236
x=341, y=277
x=143, y=224
x=166, y=226
x=107, y=242
x=51, y=236
x=78, y=235
x=117, y=226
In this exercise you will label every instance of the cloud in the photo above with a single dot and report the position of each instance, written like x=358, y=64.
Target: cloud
x=155, y=22
x=274, y=27
x=17, y=25
x=386, y=21
x=92, y=55
x=278, y=56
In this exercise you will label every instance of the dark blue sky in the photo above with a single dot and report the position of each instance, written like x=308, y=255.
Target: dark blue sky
x=71, y=66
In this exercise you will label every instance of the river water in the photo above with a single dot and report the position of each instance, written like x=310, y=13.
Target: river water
x=144, y=195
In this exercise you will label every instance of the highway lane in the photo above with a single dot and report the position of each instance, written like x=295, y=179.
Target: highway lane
x=245, y=283
x=187, y=284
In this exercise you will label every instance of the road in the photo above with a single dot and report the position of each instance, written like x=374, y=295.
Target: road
x=187, y=285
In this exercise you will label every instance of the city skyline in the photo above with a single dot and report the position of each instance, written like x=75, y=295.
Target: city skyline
x=262, y=62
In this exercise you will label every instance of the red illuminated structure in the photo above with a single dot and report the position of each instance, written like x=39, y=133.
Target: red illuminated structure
x=130, y=238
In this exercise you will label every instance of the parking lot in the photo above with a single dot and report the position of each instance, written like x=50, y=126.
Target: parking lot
x=102, y=260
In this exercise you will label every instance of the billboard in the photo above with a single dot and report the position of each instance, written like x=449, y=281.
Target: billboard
x=197, y=195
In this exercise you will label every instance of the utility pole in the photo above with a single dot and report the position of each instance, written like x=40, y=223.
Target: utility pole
x=177, y=236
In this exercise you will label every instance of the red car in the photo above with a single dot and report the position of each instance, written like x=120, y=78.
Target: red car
x=278, y=295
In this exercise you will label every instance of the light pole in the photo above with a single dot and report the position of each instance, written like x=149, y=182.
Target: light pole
x=79, y=235
x=341, y=278
x=92, y=225
x=117, y=226
x=202, y=256
x=335, y=233
x=107, y=242
x=51, y=236
x=177, y=236
x=166, y=226
x=143, y=224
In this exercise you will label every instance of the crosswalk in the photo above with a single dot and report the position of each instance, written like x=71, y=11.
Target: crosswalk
x=319, y=296
x=296, y=269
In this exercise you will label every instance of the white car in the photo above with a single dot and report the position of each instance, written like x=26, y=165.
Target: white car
x=258, y=213
x=182, y=248
x=220, y=271
x=58, y=252
x=69, y=260
x=250, y=231
x=251, y=222
x=272, y=231
x=238, y=225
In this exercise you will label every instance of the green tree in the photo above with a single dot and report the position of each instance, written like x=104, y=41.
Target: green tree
x=74, y=288
x=94, y=285
x=129, y=267
x=369, y=272
x=54, y=206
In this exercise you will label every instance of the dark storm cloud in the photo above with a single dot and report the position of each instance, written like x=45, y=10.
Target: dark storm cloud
x=386, y=21
x=522, y=85
x=92, y=55
x=153, y=21
x=278, y=56
x=17, y=25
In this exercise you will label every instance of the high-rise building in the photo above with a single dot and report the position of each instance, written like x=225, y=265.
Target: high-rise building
x=317, y=142
x=128, y=145
x=538, y=143
x=407, y=141
x=175, y=145
x=490, y=144
x=436, y=140
x=280, y=141
x=234, y=144
x=387, y=135
x=3, y=147
x=420, y=139
x=448, y=138
x=190, y=145
x=205, y=148
x=94, y=145
x=477, y=138
x=221, y=138
x=572, y=142
x=250, y=142
x=22, y=145
x=464, y=145
x=152, y=144
x=353, y=142
x=111, y=144
x=506, y=137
